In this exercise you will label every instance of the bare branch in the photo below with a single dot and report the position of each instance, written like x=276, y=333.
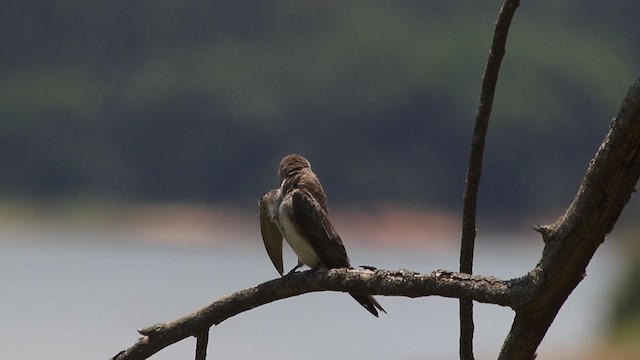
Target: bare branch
x=202, y=341
x=571, y=242
x=512, y=293
x=474, y=168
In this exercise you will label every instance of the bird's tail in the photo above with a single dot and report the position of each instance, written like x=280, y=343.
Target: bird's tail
x=369, y=303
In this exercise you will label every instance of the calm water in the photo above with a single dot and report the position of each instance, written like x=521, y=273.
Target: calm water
x=81, y=295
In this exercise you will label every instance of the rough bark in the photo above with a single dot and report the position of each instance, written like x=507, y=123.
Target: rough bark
x=512, y=293
x=571, y=242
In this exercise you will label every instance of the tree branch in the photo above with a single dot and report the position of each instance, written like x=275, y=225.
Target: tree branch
x=474, y=167
x=513, y=293
x=571, y=242
x=202, y=341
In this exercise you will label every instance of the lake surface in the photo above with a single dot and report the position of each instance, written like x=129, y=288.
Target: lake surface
x=69, y=294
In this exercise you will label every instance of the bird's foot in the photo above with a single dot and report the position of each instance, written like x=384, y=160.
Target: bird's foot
x=294, y=269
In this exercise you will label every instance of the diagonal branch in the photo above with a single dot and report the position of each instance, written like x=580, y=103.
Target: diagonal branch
x=513, y=293
x=474, y=168
x=571, y=242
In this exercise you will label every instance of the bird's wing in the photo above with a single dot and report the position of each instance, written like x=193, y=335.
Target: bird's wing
x=313, y=223
x=272, y=239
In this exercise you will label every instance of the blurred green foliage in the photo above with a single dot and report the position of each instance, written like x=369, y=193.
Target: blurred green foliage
x=625, y=310
x=196, y=100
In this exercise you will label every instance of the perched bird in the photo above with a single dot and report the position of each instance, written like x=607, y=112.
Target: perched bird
x=298, y=212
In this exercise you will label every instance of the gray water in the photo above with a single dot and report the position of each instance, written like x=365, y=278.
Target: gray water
x=81, y=295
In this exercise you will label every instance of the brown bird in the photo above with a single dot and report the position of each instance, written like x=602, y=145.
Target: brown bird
x=298, y=212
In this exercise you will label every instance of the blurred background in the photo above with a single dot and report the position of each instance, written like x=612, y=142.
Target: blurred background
x=136, y=138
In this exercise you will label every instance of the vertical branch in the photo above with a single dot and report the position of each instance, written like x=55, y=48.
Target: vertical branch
x=202, y=340
x=474, y=168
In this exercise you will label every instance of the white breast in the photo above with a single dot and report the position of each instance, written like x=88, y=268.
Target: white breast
x=298, y=243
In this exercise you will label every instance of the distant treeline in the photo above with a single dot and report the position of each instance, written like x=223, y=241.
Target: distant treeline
x=198, y=100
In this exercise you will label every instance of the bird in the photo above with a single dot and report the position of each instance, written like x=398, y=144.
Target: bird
x=298, y=212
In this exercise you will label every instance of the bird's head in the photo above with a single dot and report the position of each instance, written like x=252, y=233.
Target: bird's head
x=292, y=164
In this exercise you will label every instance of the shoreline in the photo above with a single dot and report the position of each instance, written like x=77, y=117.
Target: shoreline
x=195, y=224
